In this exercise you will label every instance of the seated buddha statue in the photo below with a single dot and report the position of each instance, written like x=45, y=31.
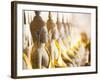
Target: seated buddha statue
x=55, y=56
x=84, y=50
x=55, y=49
x=39, y=55
x=60, y=41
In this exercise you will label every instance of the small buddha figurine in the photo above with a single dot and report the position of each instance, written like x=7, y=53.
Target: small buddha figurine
x=40, y=55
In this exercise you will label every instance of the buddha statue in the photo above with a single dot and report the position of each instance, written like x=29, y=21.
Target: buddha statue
x=50, y=24
x=66, y=58
x=40, y=55
x=55, y=49
x=36, y=24
x=84, y=50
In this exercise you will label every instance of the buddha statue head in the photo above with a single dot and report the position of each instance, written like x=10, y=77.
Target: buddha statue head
x=43, y=35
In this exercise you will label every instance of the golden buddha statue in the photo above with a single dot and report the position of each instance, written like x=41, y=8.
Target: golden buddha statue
x=83, y=51
x=85, y=42
x=55, y=49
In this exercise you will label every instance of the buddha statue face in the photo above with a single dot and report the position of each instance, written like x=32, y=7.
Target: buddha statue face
x=43, y=36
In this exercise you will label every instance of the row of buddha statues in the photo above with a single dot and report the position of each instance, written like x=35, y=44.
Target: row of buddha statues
x=48, y=44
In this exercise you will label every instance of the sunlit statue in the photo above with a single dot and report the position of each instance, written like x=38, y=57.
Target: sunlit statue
x=85, y=42
x=56, y=50
x=62, y=47
x=83, y=51
x=39, y=54
x=56, y=59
